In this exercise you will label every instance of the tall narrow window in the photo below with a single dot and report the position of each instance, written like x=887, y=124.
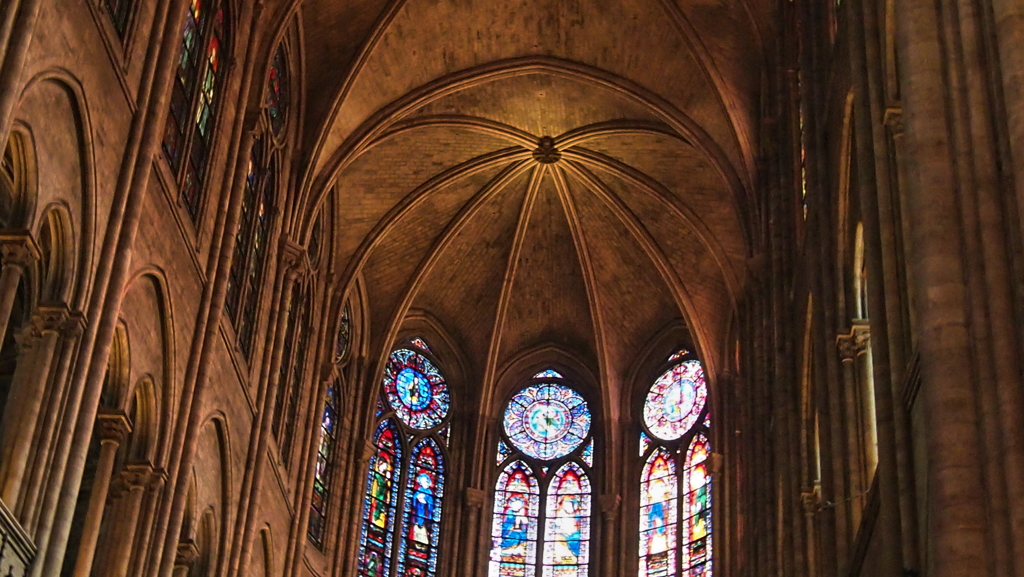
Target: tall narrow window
x=675, y=533
x=251, y=245
x=401, y=524
x=191, y=121
x=290, y=372
x=325, y=462
x=545, y=455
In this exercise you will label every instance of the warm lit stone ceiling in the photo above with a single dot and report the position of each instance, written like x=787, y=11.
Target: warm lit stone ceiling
x=428, y=119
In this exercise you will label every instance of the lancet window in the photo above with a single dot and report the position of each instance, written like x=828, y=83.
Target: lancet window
x=543, y=497
x=258, y=207
x=119, y=11
x=194, y=98
x=675, y=485
x=324, y=471
x=401, y=522
x=290, y=373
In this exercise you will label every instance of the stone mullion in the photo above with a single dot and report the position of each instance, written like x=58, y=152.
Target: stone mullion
x=292, y=262
x=113, y=429
x=857, y=471
x=71, y=332
x=609, y=506
x=38, y=342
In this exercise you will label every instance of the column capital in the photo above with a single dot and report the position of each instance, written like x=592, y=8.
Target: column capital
x=113, y=426
x=74, y=325
x=810, y=498
x=18, y=248
x=292, y=258
x=187, y=554
x=893, y=119
x=855, y=342
x=716, y=462
x=609, y=505
x=475, y=497
x=46, y=319
x=368, y=451
x=137, y=475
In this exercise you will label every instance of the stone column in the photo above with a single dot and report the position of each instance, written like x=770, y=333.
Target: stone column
x=13, y=62
x=72, y=332
x=18, y=250
x=136, y=478
x=861, y=334
x=185, y=558
x=474, y=503
x=957, y=521
x=853, y=501
x=37, y=342
x=113, y=429
x=609, y=505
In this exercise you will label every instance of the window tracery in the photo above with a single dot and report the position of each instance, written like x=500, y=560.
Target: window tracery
x=402, y=507
x=546, y=427
x=675, y=509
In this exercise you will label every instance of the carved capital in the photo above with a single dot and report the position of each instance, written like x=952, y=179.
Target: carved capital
x=861, y=334
x=74, y=325
x=137, y=475
x=18, y=248
x=847, y=347
x=810, y=498
x=474, y=498
x=113, y=426
x=609, y=505
x=187, y=554
x=894, y=120
x=292, y=259
x=368, y=451
x=716, y=463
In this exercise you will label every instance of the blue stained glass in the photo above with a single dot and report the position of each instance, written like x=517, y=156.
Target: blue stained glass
x=567, y=527
x=503, y=452
x=588, y=454
x=547, y=421
x=645, y=443
x=380, y=407
x=417, y=556
x=675, y=401
x=548, y=374
x=544, y=470
x=514, y=530
x=380, y=503
x=446, y=434
x=415, y=389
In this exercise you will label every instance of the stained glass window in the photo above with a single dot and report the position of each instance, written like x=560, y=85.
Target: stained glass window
x=678, y=355
x=658, y=507
x=277, y=96
x=420, y=344
x=120, y=11
x=675, y=533
x=190, y=124
x=380, y=502
x=546, y=428
x=415, y=389
x=250, y=255
x=412, y=482
x=514, y=531
x=567, y=527
x=548, y=374
x=344, y=336
x=422, y=521
x=697, y=509
x=547, y=421
x=675, y=401
x=324, y=466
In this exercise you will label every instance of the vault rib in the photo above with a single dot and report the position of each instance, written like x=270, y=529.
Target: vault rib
x=653, y=250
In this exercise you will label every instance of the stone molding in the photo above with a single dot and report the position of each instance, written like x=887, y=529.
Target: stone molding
x=18, y=248
x=113, y=426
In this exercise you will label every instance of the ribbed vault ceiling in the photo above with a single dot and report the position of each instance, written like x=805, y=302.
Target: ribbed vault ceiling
x=631, y=215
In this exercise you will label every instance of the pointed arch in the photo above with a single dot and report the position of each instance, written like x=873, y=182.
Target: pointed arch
x=567, y=522
x=658, y=514
x=424, y=490
x=516, y=513
x=381, y=502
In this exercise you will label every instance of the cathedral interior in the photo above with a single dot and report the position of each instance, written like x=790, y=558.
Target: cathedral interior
x=512, y=288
